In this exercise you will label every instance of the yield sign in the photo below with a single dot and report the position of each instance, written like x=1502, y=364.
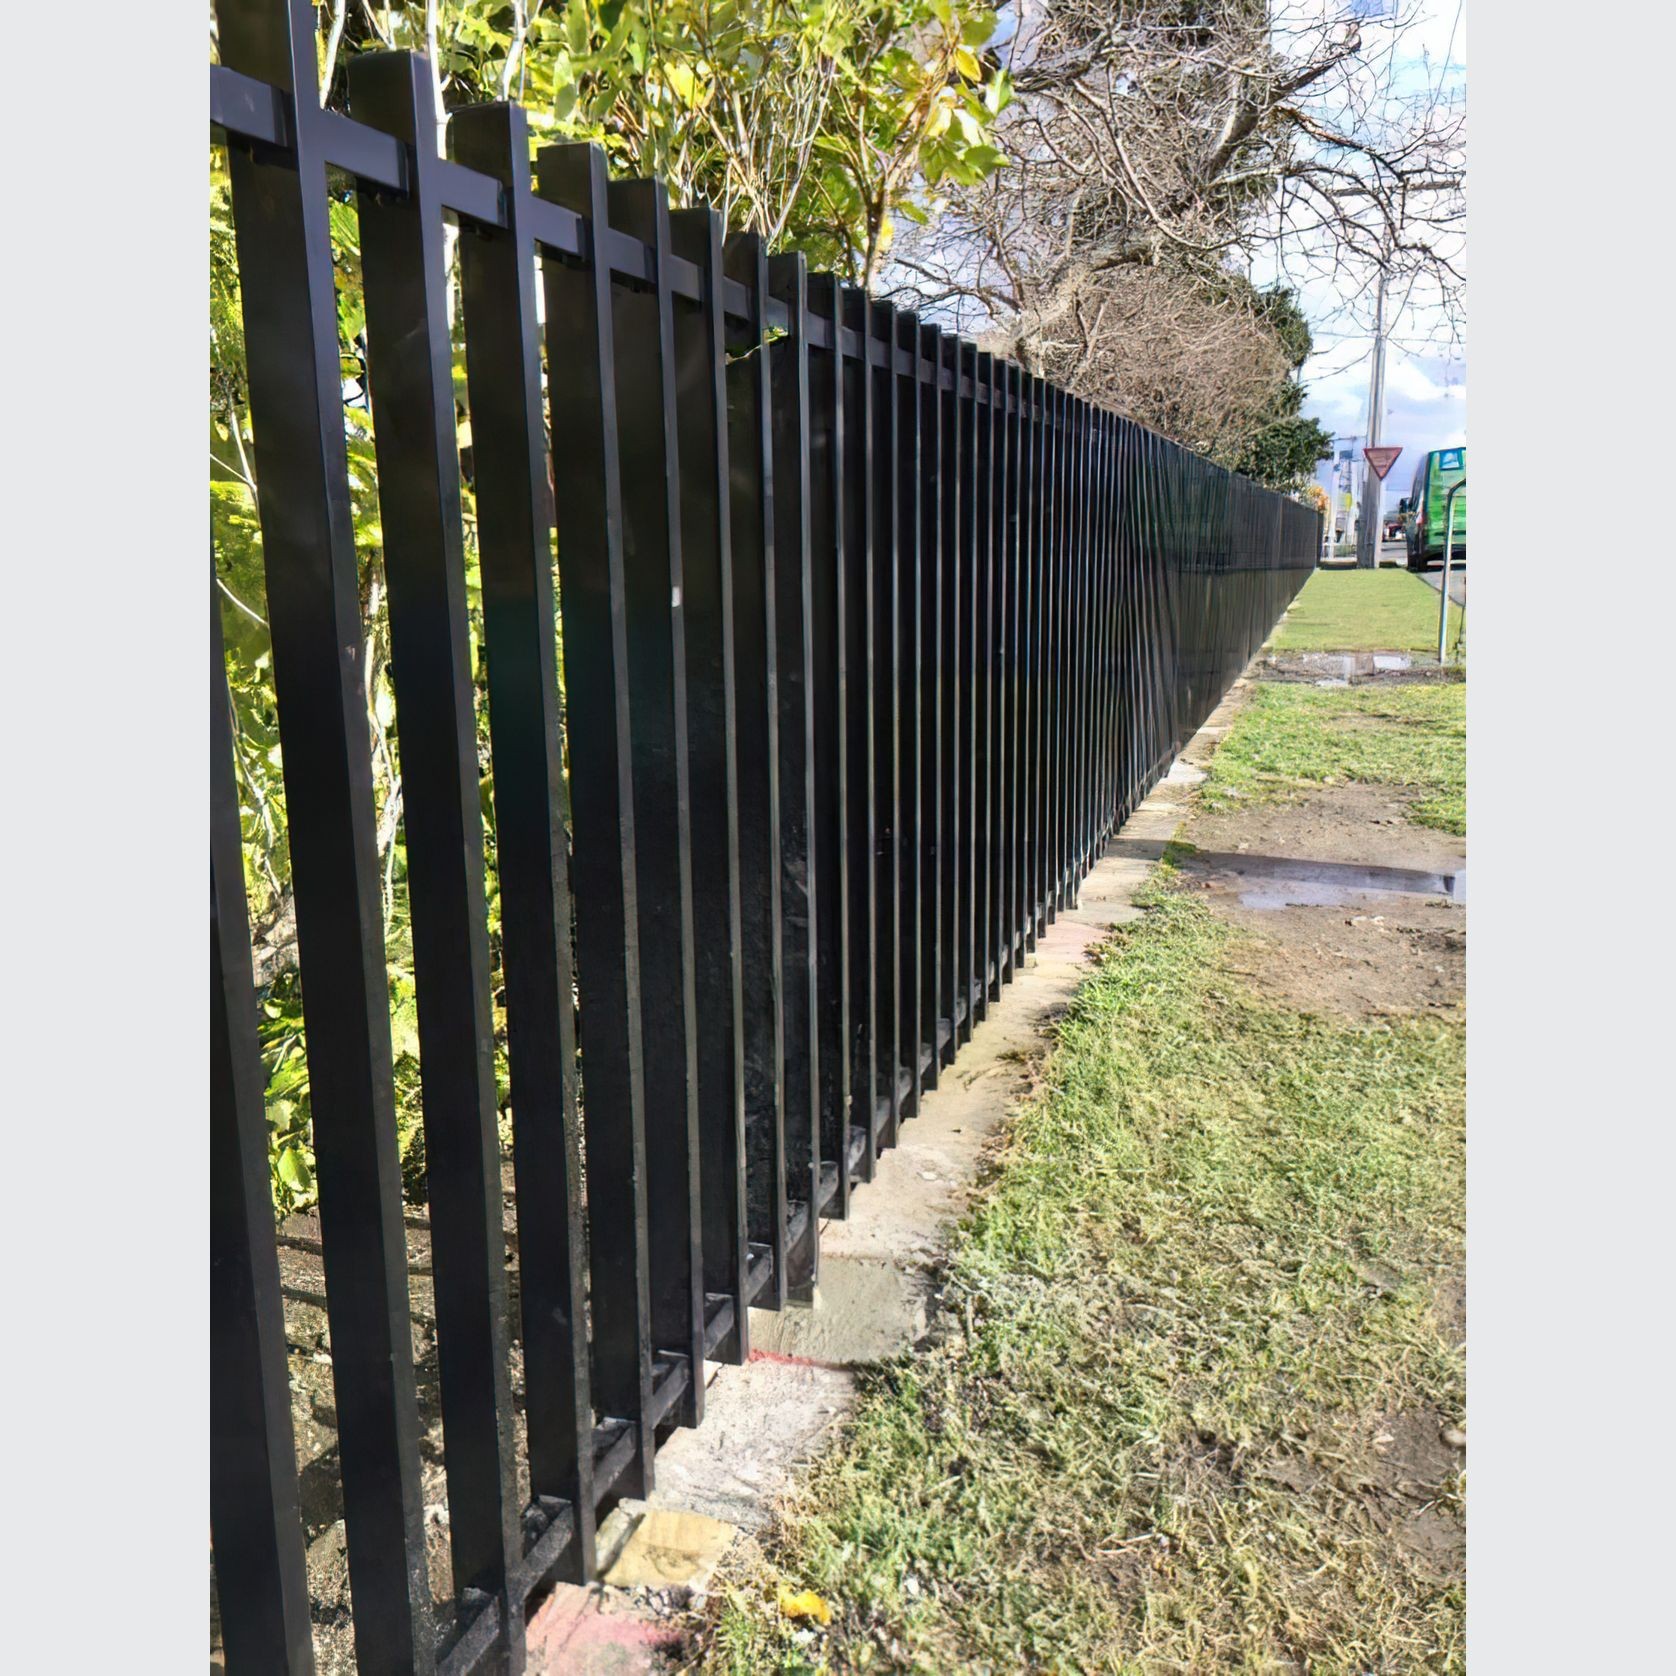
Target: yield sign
x=1381, y=459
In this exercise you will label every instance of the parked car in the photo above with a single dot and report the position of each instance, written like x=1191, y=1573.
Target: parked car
x=1424, y=507
x=1394, y=527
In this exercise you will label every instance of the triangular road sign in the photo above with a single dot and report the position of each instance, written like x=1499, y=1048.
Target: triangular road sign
x=1381, y=459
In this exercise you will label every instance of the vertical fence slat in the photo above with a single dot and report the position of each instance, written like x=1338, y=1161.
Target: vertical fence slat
x=1041, y=503
x=860, y=784
x=1102, y=680
x=713, y=771
x=967, y=984
x=593, y=600
x=799, y=903
x=888, y=1055
x=1071, y=526
x=1006, y=919
x=1128, y=659
x=1040, y=867
x=1097, y=644
x=514, y=523
x=255, y=1524
x=751, y=511
x=931, y=695
x=314, y=614
x=1067, y=668
x=403, y=267
x=643, y=341
x=1115, y=586
x=950, y=1012
x=994, y=704
x=827, y=505
x=905, y=339
x=1025, y=674
x=1075, y=490
x=983, y=694
x=1085, y=649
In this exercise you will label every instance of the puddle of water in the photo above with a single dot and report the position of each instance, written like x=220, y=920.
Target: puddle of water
x=1269, y=898
x=1296, y=882
x=1345, y=669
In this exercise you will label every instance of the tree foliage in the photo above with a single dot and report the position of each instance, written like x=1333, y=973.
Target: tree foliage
x=1159, y=151
x=1283, y=451
x=812, y=122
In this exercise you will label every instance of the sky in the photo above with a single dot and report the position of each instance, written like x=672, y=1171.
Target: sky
x=1411, y=48
x=1425, y=377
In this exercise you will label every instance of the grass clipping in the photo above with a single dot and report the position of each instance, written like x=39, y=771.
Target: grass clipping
x=1207, y=1283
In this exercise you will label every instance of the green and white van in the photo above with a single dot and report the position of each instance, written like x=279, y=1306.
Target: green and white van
x=1423, y=508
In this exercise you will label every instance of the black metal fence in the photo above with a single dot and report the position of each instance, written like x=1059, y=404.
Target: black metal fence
x=869, y=642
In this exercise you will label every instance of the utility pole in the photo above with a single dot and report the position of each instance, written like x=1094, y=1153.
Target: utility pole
x=1373, y=488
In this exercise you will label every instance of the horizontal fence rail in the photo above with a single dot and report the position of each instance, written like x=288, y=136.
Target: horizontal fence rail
x=869, y=641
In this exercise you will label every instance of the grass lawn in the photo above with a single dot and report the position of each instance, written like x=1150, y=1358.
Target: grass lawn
x=1200, y=1336
x=1205, y=1276
x=1289, y=736
x=1364, y=611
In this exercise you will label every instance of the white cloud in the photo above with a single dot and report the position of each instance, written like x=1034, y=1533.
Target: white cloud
x=1408, y=379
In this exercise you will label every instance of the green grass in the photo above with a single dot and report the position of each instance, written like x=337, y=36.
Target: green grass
x=1294, y=736
x=1364, y=611
x=1140, y=1443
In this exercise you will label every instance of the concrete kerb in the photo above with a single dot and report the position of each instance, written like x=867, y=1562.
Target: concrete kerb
x=875, y=1299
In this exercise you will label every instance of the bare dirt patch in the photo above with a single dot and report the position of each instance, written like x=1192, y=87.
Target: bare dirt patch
x=1320, y=948
x=1450, y=1306
x=1351, y=822
x=1377, y=953
x=1356, y=669
x=1412, y=1490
